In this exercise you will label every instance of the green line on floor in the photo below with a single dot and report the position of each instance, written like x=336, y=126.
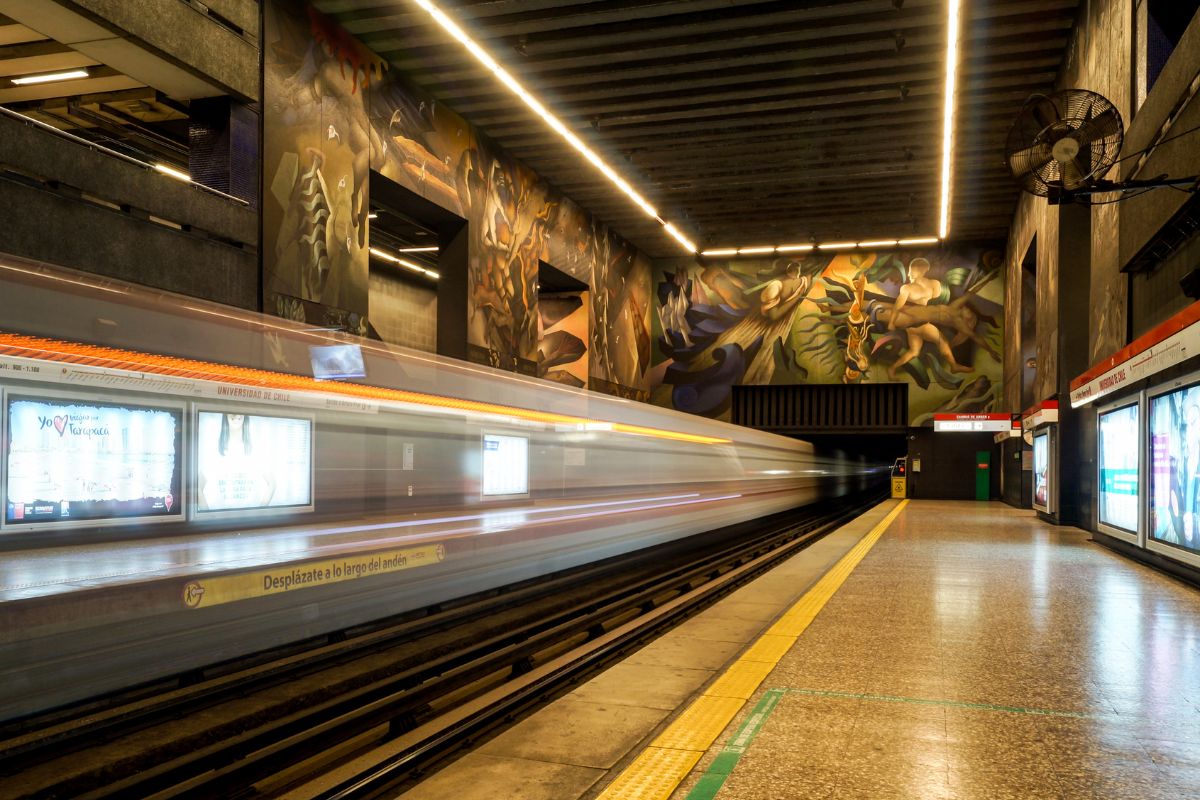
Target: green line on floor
x=714, y=777
x=1042, y=712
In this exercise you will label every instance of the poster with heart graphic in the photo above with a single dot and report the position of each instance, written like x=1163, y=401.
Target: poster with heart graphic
x=75, y=461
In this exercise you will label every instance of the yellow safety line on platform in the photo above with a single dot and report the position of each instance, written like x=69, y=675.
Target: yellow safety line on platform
x=662, y=766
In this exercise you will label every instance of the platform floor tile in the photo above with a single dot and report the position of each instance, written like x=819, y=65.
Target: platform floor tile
x=575, y=732
x=476, y=776
x=977, y=653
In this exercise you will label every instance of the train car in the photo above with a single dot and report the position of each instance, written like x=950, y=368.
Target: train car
x=184, y=483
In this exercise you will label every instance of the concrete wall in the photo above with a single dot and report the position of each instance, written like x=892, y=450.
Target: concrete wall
x=404, y=311
x=65, y=203
x=1101, y=59
x=1081, y=250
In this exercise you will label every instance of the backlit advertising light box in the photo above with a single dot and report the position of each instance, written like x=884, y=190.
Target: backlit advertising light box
x=248, y=461
x=1041, y=471
x=75, y=462
x=505, y=465
x=1175, y=468
x=1118, y=463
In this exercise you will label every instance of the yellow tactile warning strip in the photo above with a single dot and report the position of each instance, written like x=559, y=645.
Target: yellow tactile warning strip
x=652, y=773
x=663, y=765
x=741, y=679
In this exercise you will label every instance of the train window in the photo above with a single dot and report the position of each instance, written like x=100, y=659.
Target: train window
x=505, y=465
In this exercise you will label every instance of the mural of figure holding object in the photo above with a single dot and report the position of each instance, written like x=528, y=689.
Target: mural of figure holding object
x=920, y=291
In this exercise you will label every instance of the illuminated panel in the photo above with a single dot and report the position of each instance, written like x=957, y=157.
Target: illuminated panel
x=252, y=461
x=73, y=460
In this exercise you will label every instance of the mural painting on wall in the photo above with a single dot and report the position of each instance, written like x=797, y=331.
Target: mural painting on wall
x=563, y=337
x=334, y=113
x=515, y=221
x=933, y=320
x=316, y=166
x=620, y=282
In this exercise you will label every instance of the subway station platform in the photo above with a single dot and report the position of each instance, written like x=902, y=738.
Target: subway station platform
x=930, y=649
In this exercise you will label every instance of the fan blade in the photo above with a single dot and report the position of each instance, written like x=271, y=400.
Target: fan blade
x=1106, y=123
x=1083, y=163
x=1044, y=111
x=1072, y=177
x=1030, y=159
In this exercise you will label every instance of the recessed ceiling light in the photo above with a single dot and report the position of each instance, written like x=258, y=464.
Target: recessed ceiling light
x=555, y=124
x=948, y=119
x=386, y=256
x=559, y=127
x=51, y=77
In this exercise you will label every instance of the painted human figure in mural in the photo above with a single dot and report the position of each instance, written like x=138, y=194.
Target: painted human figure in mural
x=769, y=321
x=920, y=293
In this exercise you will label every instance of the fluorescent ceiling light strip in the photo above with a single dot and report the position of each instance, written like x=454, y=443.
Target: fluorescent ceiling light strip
x=948, y=117
x=386, y=256
x=918, y=240
x=879, y=243
x=724, y=251
x=177, y=174
x=51, y=77
x=556, y=125
x=417, y=250
x=793, y=248
x=755, y=251
x=838, y=246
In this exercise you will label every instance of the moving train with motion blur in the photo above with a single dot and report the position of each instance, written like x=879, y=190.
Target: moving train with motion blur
x=183, y=483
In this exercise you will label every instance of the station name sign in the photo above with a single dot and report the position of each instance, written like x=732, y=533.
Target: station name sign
x=1171, y=343
x=976, y=423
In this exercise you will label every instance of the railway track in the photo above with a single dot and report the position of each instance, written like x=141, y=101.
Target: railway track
x=362, y=712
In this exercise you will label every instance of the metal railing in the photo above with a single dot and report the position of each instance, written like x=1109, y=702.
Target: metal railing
x=157, y=168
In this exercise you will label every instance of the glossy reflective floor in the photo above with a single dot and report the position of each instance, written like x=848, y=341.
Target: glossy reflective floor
x=979, y=653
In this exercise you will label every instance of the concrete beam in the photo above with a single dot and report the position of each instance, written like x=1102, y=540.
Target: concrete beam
x=166, y=44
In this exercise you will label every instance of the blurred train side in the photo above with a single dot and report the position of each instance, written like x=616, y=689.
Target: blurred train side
x=400, y=463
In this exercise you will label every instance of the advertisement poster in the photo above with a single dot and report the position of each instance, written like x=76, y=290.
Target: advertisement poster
x=1041, y=471
x=246, y=462
x=80, y=461
x=1119, y=468
x=1175, y=468
x=505, y=465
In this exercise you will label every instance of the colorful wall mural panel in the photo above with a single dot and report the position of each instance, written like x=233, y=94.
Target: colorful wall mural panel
x=335, y=113
x=316, y=159
x=932, y=319
x=681, y=332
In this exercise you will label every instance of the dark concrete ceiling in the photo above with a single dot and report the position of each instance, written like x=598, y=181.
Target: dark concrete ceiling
x=745, y=122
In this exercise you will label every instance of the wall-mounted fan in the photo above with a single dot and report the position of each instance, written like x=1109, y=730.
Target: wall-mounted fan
x=1062, y=144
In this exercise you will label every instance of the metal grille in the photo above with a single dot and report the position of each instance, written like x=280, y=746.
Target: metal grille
x=823, y=408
